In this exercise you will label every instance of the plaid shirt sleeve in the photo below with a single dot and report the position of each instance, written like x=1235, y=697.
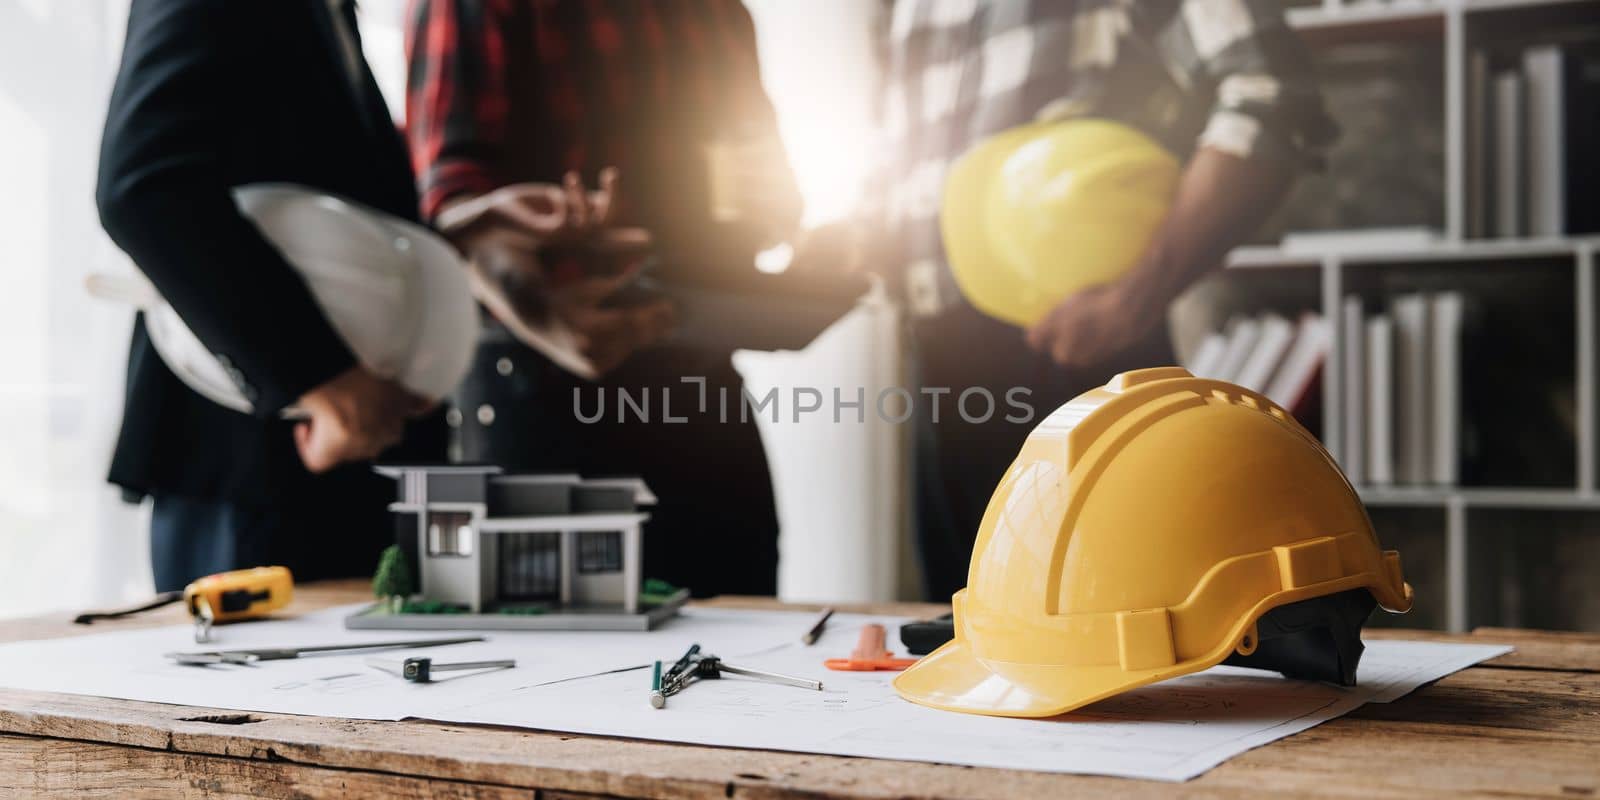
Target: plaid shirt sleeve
x=1267, y=100
x=456, y=99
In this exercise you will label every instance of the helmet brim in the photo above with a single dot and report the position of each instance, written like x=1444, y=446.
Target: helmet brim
x=953, y=678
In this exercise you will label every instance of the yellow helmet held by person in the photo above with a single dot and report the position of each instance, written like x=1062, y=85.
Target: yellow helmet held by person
x=1152, y=528
x=1038, y=212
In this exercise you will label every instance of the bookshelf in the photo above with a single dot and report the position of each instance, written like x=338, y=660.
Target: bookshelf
x=1466, y=550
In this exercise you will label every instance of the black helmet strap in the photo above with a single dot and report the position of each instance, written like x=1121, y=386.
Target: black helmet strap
x=1317, y=639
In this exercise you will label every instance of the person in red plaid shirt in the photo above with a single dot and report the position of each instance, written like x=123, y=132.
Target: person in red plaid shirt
x=514, y=105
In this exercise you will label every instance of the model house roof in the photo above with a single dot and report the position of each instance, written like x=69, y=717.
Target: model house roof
x=399, y=470
x=514, y=496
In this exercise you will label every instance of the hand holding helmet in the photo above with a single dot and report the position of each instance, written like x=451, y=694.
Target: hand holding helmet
x=1083, y=231
x=1038, y=213
x=353, y=417
x=395, y=292
x=1095, y=324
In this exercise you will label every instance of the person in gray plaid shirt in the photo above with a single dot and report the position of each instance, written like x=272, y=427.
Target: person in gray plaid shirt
x=1223, y=84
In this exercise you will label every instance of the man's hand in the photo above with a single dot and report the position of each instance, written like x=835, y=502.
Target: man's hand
x=1095, y=325
x=1221, y=200
x=353, y=417
x=545, y=255
x=554, y=215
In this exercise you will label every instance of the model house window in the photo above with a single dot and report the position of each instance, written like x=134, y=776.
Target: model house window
x=449, y=533
x=599, y=551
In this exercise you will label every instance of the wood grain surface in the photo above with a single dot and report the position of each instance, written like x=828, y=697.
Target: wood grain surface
x=1523, y=724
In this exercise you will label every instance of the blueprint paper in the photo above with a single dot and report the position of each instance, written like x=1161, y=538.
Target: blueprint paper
x=1174, y=731
x=1171, y=731
x=131, y=664
x=1393, y=668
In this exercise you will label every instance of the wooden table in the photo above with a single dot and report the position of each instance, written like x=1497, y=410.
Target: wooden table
x=1527, y=723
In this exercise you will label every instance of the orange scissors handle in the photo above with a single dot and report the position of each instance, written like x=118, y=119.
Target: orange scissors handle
x=868, y=664
x=870, y=654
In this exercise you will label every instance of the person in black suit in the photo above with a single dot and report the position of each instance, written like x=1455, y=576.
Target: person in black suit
x=212, y=94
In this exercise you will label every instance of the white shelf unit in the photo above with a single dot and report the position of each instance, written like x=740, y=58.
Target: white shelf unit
x=1335, y=23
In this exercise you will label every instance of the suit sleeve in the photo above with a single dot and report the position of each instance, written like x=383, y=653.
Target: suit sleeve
x=163, y=199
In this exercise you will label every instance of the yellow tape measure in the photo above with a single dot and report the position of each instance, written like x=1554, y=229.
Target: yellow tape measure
x=239, y=594
x=223, y=597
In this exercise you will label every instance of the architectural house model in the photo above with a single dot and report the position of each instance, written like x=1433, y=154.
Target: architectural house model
x=504, y=551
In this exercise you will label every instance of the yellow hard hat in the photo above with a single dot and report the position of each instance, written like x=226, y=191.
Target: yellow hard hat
x=1152, y=528
x=1038, y=212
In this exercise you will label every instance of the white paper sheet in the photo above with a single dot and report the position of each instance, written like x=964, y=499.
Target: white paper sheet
x=131, y=664
x=1171, y=731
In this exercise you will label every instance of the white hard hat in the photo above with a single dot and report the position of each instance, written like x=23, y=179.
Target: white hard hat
x=396, y=292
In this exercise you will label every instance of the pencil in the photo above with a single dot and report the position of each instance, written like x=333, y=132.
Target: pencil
x=816, y=630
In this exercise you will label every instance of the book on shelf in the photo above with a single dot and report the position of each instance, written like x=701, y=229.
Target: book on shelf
x=1542, y=68
x=1380, y=400
x=1297, y=377
x=1272, y=341
x=1446, y=311
x=1208, y=355
x=1508, y=187
x=1241, y=333
x=1353, y=419
x=1411, y=390
x=1477, y=145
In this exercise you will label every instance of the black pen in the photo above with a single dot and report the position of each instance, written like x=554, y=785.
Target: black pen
x=816, y=630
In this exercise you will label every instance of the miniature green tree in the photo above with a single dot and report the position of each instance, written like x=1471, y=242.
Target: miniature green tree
x=393, y=579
